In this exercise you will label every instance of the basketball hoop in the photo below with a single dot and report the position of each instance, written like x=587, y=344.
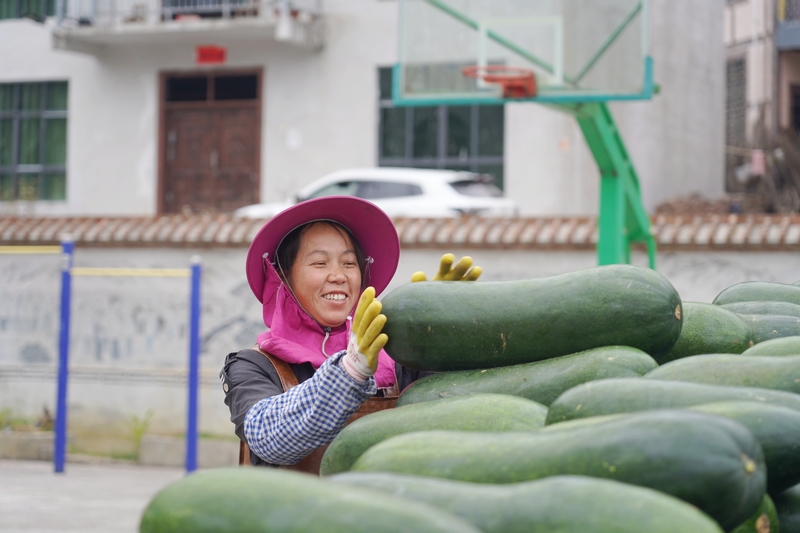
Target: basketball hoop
x=517, y=82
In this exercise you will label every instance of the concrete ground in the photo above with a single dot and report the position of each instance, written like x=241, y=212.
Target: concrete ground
x=87, y=498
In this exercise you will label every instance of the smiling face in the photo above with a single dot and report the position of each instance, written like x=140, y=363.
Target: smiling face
x=325, y=276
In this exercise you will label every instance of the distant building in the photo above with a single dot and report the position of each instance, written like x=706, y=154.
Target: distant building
x=762, y=39
x=145, y=107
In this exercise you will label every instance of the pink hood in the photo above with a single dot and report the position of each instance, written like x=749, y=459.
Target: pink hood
x=297, y=338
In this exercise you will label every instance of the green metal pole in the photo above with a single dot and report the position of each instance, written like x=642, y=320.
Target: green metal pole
x=612, y=242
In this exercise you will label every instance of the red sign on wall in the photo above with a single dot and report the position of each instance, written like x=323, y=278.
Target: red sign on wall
x=211, y=55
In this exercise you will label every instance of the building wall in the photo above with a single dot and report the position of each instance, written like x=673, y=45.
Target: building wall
x=749, y=33
x=320, y=113
x=129, y=349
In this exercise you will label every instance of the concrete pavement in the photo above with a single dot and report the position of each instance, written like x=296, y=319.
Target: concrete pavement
x=87, y=498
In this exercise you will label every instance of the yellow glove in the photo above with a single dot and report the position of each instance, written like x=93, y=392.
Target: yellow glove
x=448, y=272
x=366, y=339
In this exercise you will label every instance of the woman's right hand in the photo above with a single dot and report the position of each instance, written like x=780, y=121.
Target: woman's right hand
x=366, y=337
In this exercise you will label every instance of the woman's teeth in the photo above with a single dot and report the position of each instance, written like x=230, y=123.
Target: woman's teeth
x=335, y=297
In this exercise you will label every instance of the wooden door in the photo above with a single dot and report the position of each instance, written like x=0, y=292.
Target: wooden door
x=211, y=156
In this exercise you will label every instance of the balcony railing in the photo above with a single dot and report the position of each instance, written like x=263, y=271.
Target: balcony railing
x=112, y=13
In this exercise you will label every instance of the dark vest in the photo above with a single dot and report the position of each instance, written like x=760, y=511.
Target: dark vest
x=311, y=462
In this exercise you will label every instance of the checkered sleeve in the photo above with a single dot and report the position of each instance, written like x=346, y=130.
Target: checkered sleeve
x=283, y=429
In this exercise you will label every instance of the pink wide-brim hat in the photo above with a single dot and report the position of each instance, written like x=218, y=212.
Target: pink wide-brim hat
x=372, y=228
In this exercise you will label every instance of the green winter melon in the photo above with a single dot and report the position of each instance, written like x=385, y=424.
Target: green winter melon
x=779, y=346
x=711, y=462
x=446, y=326
x=776, y=428
x=758, y=291
x=268, y=500
x=787, y=505
x=762, y=371
x=763, y=308
x=559, y=503
x=764, y=520
x=766, y=327
x=627, y=395
x=541, y=381
x=709, y=328
x=481, y=412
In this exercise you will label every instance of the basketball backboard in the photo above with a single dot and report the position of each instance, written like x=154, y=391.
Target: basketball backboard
x=577, y=51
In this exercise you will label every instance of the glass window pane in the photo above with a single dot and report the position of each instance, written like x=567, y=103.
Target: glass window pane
x=187, y=89
x=56, y=147
x=496, y=171
x=29, y=141
x=57, y=95
x=371, y=190
x=54, y=187
x=490, y=135
x=31, y=8
x=30, y=96
x=28, y=186
x=343, y=188
x=6, y=187
x=393, y=132
x=6, y=141
x=6, y=95
x=7, y=10
x=385, y=83
x=458, y=130
x=478, y=186
x=425, y=131
x=236, y=87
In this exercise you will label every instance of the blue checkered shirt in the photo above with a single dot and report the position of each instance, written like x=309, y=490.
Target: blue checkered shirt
x=285, y=428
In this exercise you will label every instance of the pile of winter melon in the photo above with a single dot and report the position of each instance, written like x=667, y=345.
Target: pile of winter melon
x=593, y=401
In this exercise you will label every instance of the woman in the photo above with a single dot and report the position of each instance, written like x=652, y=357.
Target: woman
x=311, y=266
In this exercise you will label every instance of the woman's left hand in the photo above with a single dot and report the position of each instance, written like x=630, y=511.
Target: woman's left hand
x=463, y=271
x=366, y=337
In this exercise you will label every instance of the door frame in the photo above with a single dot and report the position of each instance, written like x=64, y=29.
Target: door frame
x=164, y=107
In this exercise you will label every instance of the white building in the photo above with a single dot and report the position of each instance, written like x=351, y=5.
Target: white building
x=762, y=39
x=106, y=110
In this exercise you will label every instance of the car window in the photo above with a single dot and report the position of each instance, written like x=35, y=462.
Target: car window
x=346, y=188
x=483, y=187
x=371, y=190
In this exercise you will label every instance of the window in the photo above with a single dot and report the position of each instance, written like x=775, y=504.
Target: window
x=344, y=188
x=368, y=189
x=795, y=91
x=372, y=190
x=33, y=141
x=35, y=9
x=482, y=189
x=451, y=137
x=736, y=103
x=199, y=88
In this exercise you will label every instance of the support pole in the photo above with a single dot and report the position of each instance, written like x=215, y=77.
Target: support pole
x=60, y=445
x=194, y=374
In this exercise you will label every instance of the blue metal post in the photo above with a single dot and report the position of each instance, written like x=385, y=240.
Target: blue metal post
x=194, y=356
x=60, y=446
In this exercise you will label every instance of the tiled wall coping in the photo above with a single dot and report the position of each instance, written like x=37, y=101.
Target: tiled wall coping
x=687, y=232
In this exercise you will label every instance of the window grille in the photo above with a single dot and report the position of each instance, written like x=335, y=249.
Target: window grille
x=33, y=141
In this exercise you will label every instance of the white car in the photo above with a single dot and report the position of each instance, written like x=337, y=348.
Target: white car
x=404, y=192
